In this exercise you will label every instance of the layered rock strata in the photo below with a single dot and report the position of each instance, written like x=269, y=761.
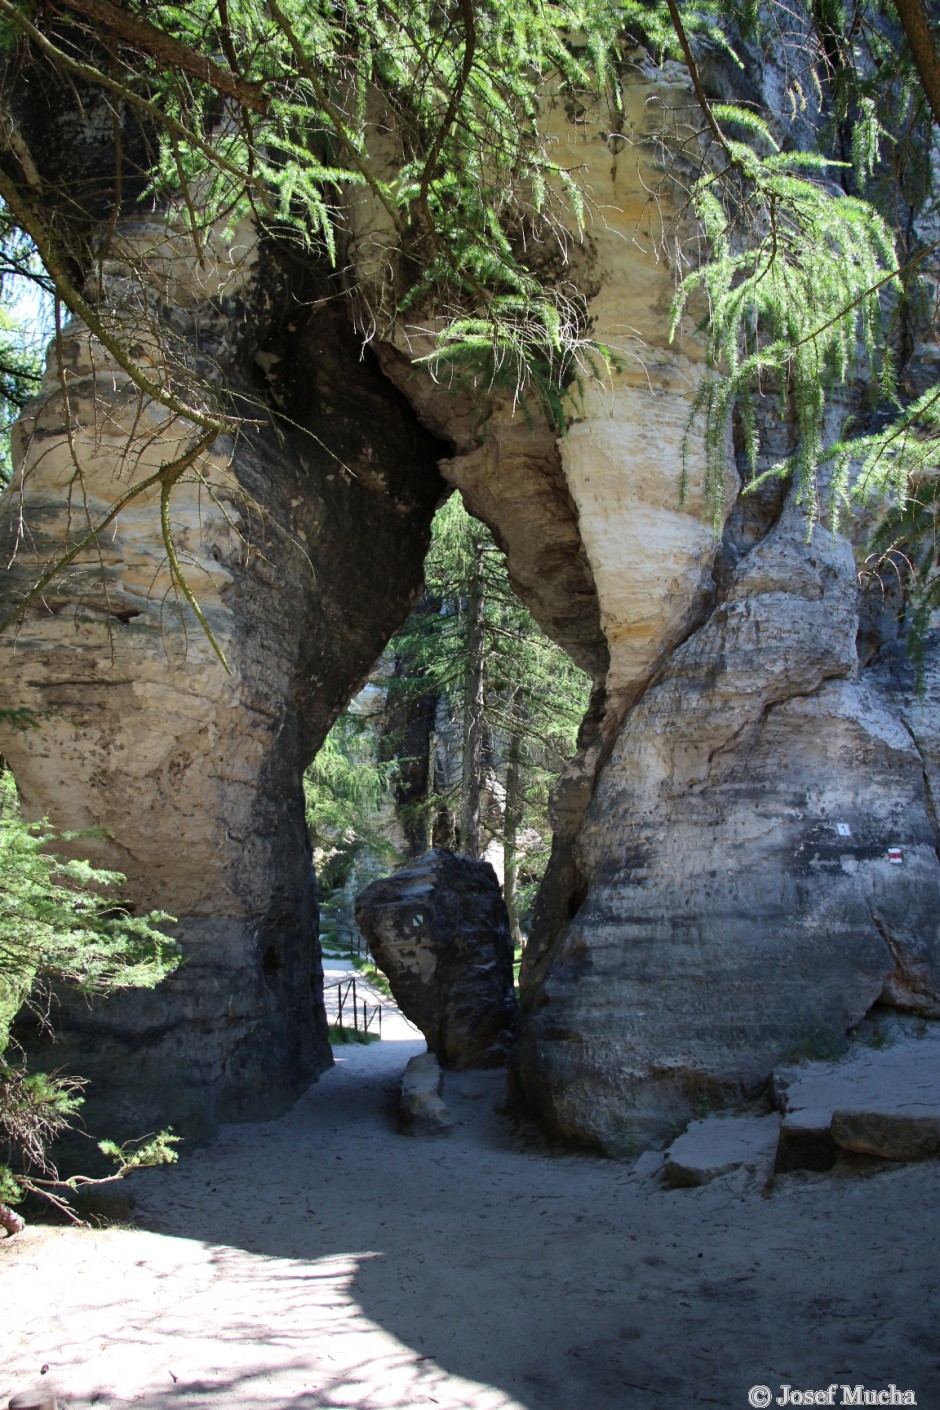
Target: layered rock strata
x=303, y=539
x=722, y=891
x=740, y=898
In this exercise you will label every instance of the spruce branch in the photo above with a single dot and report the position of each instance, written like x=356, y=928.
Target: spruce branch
x=147, y=39
x=923, y=50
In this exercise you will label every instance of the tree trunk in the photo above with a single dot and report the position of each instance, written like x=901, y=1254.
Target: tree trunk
x=916, y=26
x=473, y=719
x=512, y=819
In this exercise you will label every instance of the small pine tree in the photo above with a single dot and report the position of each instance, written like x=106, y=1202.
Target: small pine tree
x=60, y=925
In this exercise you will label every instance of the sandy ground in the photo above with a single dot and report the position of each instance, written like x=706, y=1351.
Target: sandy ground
x=323, y=1260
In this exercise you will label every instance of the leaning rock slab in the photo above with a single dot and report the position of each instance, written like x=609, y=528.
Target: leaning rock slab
x=720, y=1144
x=422, y=1110
x=881, y=1102
x=439, y=930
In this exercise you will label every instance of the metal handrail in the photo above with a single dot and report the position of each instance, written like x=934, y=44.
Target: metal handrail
x=343, y=988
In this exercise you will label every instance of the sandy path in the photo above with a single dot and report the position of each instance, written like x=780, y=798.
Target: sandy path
x=322, y=1260
x=394, y=1025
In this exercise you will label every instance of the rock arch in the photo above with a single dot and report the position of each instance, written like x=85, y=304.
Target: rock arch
x=704, y=913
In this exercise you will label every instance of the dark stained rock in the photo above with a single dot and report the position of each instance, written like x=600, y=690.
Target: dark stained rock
x=438, y=928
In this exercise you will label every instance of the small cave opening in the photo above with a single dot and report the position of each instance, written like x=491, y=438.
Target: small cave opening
x=271, y=962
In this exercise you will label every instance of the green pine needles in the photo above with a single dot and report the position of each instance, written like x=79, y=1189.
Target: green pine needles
x=793, y=286
x=418, y=130
x=60, y=925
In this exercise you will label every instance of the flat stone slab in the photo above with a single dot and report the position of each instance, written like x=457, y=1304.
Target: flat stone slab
x=421, y=1109
x=720, y=1144
x=878, y=1101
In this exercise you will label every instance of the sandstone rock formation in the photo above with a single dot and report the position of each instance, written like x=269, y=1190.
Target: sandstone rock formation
x=720, y=894
x=439, y=930
x=743, y=902
x=304, y=545
x=422, y=1110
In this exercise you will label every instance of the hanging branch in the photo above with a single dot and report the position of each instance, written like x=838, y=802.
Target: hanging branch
x=141, y=35
x=453, y=107
x=166, y=477
x=923, y=50
x=692, y=67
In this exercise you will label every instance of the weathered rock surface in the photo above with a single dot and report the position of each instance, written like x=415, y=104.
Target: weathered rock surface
x=720, y=893
x=878, y=1101
x=422, y=1110
x=737, y=896
x=305, y=551
x=718, y=1145
x=438, y=928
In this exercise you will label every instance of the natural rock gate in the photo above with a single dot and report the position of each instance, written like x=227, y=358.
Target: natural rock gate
x=720, y=893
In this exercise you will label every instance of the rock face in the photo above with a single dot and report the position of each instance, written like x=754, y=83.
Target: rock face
x=722, y=892
x=305, y=550
x=439, y=930
x=739, y=898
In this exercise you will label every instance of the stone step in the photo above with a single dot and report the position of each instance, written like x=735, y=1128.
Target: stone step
x=721, y=1144
x=877, y=1101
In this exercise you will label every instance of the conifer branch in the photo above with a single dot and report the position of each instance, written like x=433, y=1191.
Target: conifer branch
x=923, y=50
x=692, y=67
x=331, y=110
x=147, y=39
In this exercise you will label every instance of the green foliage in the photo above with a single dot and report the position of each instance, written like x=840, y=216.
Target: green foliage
x=339, y=1035
x=815, y=281
x=530, y=345
x=277, y=109
x=347, y=794
x=906, y=541
x=60, y=926
x=518, y=656
x=375, y=976
x=433, y=114
x=532, y=692
x=793, y=284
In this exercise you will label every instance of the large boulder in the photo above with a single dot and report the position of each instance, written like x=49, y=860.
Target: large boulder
x=439, y=930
